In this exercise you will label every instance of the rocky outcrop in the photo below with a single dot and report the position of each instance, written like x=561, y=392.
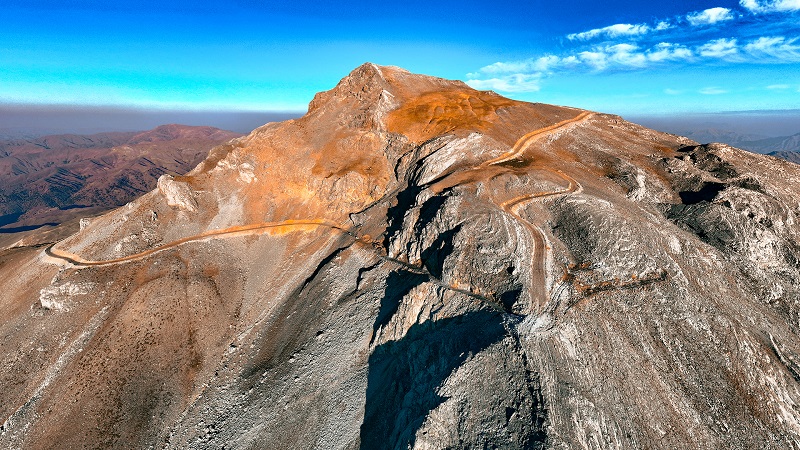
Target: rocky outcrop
x=177, y=193
x=416, y=264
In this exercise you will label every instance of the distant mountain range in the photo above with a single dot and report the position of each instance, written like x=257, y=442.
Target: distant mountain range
x=720, y=135
x=412, y=264
x=51, y=179
x=786, y=147
x=776, y=144
x=792, y=156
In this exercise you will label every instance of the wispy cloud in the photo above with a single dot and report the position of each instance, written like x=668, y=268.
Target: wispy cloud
x=666, y=51
x=542, y=64
x=712, y=91
x=776, y=47
x=527, y=75
x=517, y=82
x=719, y=48
x=768, y=6
x=618, y=30
x=598, y=58
x=710, y=16
x=715, y=35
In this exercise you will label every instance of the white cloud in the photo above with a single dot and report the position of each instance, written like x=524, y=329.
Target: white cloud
x=613, y=31
x=666, y=51
x=710, y=16
x=599, y=58
x=774, y=47
x=712, y=91
x=527, y=75
x=663, y=25
x=541, y=64
x=767, y=6
x=719, y=48
x=516, y=82
x=501, y=67
x=626, y=55
x=779, y=87
x=596, y=59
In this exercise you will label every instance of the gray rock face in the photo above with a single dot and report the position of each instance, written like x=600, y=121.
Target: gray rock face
x=489, y=274
x=177, y=193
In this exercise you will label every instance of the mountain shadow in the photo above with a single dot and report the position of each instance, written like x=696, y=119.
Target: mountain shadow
x=405, y=374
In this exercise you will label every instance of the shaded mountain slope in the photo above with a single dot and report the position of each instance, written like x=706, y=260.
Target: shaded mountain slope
x=418, y=264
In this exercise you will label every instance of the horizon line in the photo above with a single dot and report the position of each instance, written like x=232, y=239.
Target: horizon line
x=9, y=106
x=143, y=108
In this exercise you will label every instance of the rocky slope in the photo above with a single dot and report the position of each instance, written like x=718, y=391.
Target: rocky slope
x=418, y=264
x=52, y=179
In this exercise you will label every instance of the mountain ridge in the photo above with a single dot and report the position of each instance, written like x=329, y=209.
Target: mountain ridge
x=417, y=264
x=51, y=178
x=754, y=143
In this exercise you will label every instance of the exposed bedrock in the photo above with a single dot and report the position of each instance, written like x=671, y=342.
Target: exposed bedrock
x=416, y=264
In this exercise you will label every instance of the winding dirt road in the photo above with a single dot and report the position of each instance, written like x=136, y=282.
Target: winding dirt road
x=484, y=172
x=280, y=227
x=492, y=168
x=538, y=287
x=525, y=141
x=242, y=230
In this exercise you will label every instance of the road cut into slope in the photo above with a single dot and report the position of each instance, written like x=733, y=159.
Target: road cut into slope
x=240, y=230
x=525, y=141
x=495, y=167
x=538, y=287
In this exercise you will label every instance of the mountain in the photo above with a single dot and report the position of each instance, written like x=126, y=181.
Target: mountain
x=52, y=179
x=781, y=146
x=729, y=137
x=792, y=156
x=417, y=264
x=777, y=144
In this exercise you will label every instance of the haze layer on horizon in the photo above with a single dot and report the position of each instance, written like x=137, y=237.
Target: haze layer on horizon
x=27, y=121
x=618, y=56
x=757, y=124
x=21, y=121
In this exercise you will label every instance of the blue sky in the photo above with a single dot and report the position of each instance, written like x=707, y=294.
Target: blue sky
x=619, y=56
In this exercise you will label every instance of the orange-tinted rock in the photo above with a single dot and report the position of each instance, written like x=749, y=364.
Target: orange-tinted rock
x=418, y=264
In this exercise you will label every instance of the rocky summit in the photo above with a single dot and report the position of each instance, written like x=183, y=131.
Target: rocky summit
x=418, y=264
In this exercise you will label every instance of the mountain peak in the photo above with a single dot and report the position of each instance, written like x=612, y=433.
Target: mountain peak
x=174, y=131
x=364, y=84
x=417, y=264
x=370, y=84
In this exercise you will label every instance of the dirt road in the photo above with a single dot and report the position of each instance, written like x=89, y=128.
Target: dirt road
x=241, y=230
x=538, y=287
